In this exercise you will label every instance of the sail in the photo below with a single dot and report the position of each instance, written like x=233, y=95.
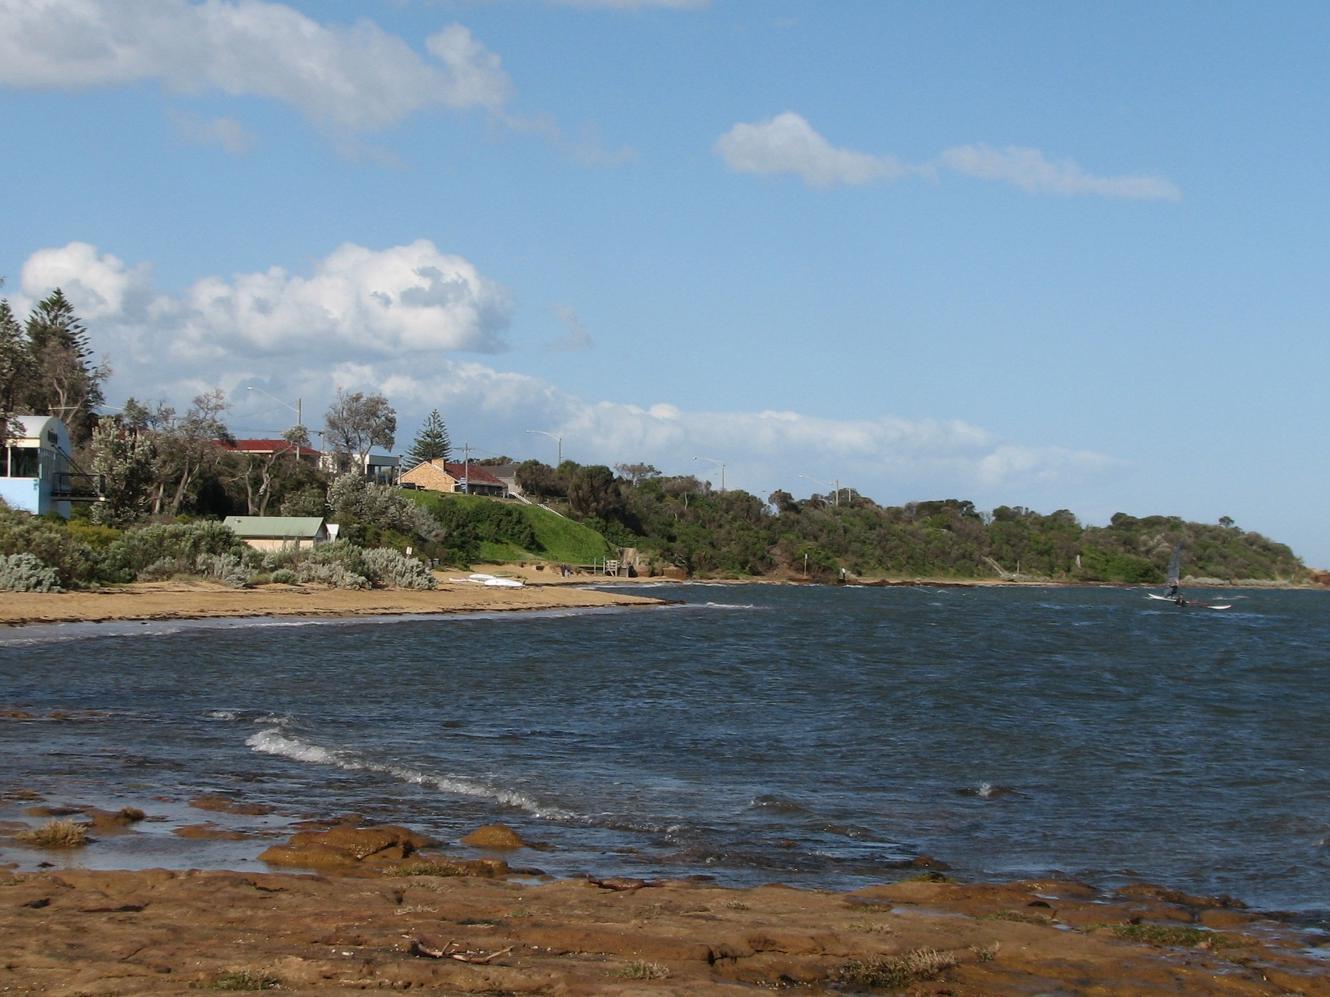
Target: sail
x=1175, y=565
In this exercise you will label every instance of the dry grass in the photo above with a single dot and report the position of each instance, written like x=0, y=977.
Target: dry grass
x=424, y=868
x=895, y=971
x=644, y=971
x=244, y=979
x=56, y=834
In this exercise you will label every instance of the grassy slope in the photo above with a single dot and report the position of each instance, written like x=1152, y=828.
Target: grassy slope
x=561, y=539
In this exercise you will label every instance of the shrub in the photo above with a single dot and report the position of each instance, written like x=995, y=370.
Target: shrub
x=227, y=568
x=391, y=569
x=330, y=574
x=26, y=573
x=48, y=541
x=284, y=576
x=163, y=569
x=356, y=501
x=182, y=543
x=55, y=834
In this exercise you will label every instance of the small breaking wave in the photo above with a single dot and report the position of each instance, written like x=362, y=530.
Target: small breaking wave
x=987, y=791
x=274, y=741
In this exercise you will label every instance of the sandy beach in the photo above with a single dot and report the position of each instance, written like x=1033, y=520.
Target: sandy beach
x=192, y=599
x=380, y=915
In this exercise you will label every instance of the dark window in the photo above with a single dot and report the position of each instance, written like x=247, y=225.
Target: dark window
x=23, y=462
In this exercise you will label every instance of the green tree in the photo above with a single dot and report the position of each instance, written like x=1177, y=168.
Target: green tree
x=125, y=461
x=594, y=491
x=15, y=366
x=186, y=447
x=432, y=443
x=64, y=380
x=356, y=423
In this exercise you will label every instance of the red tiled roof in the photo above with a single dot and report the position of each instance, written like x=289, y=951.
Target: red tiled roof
x=265, y=446
x=474, y=473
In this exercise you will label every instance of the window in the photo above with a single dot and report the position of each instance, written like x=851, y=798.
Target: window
x=23, y=462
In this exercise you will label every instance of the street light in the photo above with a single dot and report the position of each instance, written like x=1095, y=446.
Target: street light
x=721, y=465
x=300, y=423
x=835, y=498
x=556, y=438
x=294, y=408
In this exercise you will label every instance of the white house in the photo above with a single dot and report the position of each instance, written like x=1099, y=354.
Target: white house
x=34, y=465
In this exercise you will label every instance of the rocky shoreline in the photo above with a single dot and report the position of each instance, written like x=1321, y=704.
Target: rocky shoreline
x=383, y=907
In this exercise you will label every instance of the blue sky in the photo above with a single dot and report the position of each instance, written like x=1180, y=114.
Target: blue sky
x=1048, y=254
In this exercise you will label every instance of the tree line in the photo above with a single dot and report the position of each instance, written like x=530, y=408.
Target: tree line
x=156, y=462
x=685, y=523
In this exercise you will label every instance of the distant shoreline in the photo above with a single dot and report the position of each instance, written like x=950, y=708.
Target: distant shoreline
x=198, y=599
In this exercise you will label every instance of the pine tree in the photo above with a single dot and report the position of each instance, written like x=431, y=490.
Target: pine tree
x=15, y=365
x=432, y=442
x=65, y=383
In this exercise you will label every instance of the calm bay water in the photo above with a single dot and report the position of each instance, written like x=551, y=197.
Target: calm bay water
x=758, y=733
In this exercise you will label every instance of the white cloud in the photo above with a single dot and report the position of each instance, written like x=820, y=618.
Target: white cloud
x=353, y=77
x=1031, y=172
x=788, y=144
x=226, y=132
x=357, y=303
x=1039, y=465
x=390, y=320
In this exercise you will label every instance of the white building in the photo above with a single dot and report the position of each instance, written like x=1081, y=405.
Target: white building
x=34, y=465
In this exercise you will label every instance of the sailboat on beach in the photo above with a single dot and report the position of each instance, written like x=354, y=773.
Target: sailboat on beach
x=1173, y=594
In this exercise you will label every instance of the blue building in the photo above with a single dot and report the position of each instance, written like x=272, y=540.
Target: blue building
x=34, y=465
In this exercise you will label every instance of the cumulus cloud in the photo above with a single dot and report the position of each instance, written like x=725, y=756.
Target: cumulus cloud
x=357, y=303
x=393, y=320
x=352, y=77
x=788, y=144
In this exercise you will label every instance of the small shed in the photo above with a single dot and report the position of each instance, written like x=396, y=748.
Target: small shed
x=34, y=465
x=278, y=532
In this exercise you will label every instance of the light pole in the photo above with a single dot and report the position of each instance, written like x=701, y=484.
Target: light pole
x=556, y=438
x=721, y=465
x=300, y=423
x=294, y=408
x=835, y=497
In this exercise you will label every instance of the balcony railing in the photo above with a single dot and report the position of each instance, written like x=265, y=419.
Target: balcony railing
x=71, y=486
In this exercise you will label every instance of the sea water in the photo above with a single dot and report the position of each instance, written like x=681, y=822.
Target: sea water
x=814, y=736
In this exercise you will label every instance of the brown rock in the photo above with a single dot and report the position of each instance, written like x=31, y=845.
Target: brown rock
x=52, y=811
x=495, y=837
x=345, y=845
x=221, y=804
x=111, y=820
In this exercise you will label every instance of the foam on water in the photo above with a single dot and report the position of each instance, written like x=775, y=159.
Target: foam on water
x=273, y=741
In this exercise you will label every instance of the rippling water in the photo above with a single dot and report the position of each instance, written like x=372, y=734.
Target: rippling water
x=818, y=736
